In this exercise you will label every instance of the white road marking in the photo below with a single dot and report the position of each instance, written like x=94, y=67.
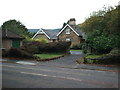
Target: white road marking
x=63, y=77
x=45, y=75
x=26, y=63
x=49, y=70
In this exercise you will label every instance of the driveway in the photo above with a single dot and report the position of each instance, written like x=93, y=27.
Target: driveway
x=66, y=60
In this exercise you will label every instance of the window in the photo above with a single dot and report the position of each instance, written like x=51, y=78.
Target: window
x=68, y=39
x=40, y=32
x=67, y=31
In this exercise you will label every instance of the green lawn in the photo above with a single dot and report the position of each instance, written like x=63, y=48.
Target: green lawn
x=76, y=50
x=93, y=56
x=49, y=55
x=89, y=58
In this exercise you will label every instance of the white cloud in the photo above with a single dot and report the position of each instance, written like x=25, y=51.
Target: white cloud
x=49, y=13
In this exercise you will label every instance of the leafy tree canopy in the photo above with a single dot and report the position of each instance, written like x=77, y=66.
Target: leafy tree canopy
x=102, y=30
x=105, y=20
x=17, y=27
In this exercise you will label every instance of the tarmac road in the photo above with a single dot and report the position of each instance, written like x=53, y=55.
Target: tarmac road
x=59, y=73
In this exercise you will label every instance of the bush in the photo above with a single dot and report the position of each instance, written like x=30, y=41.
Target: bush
x=112, y=58
x=18, y=53
x=42, y=40
x=115, y=51
x=77, y=46
x=102, y=43
x=109, y=59
x=36, y=47
x=84, y=48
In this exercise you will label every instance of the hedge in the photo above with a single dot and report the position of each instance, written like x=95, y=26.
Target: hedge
x=111, y=58
x=36, y=47
x=17, y=53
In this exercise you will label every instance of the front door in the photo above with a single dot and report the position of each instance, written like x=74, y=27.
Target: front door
x=15, y=43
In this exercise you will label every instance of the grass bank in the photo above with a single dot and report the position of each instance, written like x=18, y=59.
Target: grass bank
x=76, y=50
x=100, y=59
x=48, y=55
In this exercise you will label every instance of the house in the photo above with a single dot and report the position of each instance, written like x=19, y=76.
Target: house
x=49, y=35
x=11, y=39
x=68, y=33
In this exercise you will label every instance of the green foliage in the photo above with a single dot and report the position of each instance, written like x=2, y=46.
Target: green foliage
x=76, y=50
x=17, y=53
x=101, y=43
x=17, y=27
x=111, y=58
x=84, y=48
x=93, y=23
x=48, y=55
x=105, y=20
x=42, y=40
x=76, y=47
x=102, y=31
x=36, y=47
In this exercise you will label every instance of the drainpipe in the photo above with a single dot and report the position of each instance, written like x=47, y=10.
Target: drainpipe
x=6, y=32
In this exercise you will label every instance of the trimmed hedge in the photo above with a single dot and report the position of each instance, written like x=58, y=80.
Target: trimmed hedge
x=112, y=58
x=36, y=47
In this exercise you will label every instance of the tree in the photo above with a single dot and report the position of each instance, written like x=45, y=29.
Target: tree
x=102, y=30
x=16, y=26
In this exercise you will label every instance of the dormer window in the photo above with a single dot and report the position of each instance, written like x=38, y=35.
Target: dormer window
x=67, y=31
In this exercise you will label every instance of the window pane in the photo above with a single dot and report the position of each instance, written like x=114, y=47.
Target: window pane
x=67, y=31
x=68, y=39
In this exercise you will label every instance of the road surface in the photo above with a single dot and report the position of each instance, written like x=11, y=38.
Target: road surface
x=60, y=73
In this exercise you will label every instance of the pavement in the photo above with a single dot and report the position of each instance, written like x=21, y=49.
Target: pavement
x=60, y=73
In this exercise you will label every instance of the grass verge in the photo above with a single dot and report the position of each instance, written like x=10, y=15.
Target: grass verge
x=93, y=56
x=48, y=55
x=89, y=59
x=76, y=50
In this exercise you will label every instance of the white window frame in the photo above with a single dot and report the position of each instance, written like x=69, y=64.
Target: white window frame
x=68, y=39
x=67, y=31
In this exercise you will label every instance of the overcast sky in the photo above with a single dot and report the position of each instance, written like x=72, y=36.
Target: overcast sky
x=49, y=14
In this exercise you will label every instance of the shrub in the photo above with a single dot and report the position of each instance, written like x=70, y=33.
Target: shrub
x=112, y=58
x=109, y=59
x=115, y=51
x=18, y=53
x=42, y=40
x=52, y=47
x=84, y=48
x=4, y=53
x=77, y=46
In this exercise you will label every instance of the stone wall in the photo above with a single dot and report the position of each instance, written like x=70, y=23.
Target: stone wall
x=75, y=40
x=42, y=36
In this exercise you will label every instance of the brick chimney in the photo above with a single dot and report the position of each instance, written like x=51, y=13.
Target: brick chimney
x=72, y=22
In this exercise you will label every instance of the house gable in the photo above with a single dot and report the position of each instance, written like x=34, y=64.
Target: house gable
x=41, y=31
x=67, y=25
